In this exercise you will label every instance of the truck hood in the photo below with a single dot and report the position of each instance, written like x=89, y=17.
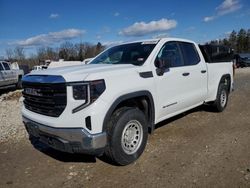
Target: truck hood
x=81, y=72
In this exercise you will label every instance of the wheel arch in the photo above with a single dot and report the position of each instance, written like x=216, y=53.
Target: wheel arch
x=226, y=78
x=141, y=99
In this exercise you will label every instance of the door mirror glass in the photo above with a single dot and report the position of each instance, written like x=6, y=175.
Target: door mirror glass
x=161, y=65
x=158, y=63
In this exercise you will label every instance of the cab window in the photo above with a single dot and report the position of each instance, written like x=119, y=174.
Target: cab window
x=189, y=53
x=170, y=53
x=6, y=66
x=1, y=67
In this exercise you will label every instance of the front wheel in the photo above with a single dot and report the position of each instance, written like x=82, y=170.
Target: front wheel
x=222, y=98
x=127, y=135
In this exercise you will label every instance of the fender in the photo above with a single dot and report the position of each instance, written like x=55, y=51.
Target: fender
x=131, y=96
x=223, y=77
x=226, y=76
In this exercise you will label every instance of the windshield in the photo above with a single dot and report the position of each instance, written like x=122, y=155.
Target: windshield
x=133, y=53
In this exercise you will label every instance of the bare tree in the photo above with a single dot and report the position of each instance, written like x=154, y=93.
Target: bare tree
x=99, y=48
x=67, y=51
x=41, y=53
x=9, y=53
x=47, y=54
x=19, y=53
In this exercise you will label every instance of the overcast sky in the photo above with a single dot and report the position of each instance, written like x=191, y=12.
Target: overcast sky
x=32, y=24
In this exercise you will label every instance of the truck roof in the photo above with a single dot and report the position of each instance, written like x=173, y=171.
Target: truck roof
x=155, y=41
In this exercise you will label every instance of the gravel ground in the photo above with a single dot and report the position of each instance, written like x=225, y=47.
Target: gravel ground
x=11, y=127
x=195, y=149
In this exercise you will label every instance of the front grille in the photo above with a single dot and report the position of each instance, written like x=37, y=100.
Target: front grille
x=46, y=99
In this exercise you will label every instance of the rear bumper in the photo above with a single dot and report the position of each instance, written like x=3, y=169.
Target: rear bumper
x=71, y=140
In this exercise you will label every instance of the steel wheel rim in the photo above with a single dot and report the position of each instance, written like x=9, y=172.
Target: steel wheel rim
x=223, y=98
x=132, y=137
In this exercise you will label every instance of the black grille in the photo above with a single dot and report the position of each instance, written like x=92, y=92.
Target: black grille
x=46, y=99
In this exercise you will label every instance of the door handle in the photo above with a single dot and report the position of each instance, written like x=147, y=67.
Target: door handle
x=185, y=74
x=203, y=71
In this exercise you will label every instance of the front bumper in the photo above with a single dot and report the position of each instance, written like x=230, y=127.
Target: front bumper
x=71, y=140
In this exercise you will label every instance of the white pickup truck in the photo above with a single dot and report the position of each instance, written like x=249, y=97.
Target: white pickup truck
x=9, y=76
x=109, y=106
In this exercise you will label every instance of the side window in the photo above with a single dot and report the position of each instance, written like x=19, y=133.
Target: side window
x=170, y=53
x=116, y=57
x=112, y=58
x=190, y=55
x=6, y=66
x=1, y=67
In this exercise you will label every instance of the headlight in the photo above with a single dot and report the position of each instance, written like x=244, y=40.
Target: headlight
x=80, y=92
x=88, y=91
x=97, y=87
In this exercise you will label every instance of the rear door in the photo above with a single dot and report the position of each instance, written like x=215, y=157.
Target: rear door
x=182, y=85
x=195, y=75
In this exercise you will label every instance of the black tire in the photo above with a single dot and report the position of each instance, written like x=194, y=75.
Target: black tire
x=119, y=147
x=19, y=83
x=222, y=97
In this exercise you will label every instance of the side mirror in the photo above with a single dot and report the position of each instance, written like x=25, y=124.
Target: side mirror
x=161, y=65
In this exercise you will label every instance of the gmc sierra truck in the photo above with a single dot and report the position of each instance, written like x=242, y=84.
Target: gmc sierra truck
x=110, y=105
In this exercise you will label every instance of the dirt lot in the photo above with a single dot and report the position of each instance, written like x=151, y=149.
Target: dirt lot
x=196, y=149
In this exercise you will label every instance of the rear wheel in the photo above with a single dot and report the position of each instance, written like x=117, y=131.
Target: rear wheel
x=222, y=97
x=127, y=135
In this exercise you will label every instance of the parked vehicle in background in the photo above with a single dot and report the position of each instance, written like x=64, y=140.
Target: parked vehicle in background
x=10, y=77
x=242, y=60
x=16, y=67
x=217, y=53
x=108, y=106
x=37, y=67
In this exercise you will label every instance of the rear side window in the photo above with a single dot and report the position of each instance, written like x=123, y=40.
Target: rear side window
x=190, y=54
x=1, y=67
x=6, y=66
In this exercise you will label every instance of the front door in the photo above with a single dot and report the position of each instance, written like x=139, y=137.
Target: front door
x=183, y=85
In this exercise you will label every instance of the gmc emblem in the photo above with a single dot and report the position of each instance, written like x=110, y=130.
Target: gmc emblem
x=32, y=91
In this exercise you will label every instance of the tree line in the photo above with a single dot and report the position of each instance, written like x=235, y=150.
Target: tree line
x=67, y=51
x=239, y=41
